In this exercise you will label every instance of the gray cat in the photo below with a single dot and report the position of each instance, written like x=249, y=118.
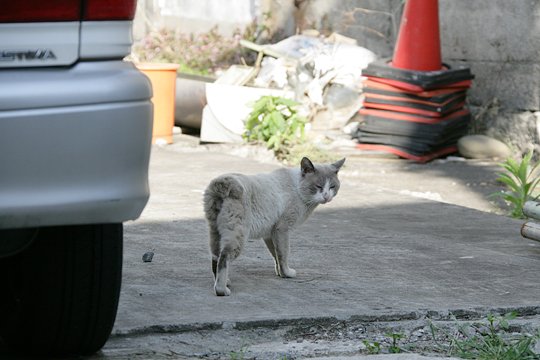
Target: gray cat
x=268, y=206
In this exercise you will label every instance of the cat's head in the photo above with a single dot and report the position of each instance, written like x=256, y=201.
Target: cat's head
x=319, y=183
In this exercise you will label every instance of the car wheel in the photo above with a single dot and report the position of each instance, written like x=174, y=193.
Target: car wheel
x=60, y=295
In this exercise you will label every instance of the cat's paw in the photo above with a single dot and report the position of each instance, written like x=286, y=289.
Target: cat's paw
x=222, y=291
x=288, y=273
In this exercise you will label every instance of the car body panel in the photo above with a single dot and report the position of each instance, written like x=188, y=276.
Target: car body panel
x=39, y=44
x=91, y=82
x=105, y=39
x=74, y=145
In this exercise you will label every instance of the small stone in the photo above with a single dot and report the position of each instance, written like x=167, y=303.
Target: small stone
x=482, y=147
x=161, y=142
x=147, y=257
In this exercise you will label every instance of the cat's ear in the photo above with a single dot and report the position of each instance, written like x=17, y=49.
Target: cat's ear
x=307, y=166
x=338, y=164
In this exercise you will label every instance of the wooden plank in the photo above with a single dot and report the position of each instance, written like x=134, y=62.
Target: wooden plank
x=261, y=48
x=531, y=230
x=531, y=209
x=237, y=75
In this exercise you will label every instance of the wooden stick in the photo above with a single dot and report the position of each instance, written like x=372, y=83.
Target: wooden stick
x=531, y=230
x=260, y=48
x=532, y=209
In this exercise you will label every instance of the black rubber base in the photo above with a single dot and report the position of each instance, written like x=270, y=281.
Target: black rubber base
x=419, y=138
x=424, y=79
x=404, y=153
x=392, y=123
x=414, y=106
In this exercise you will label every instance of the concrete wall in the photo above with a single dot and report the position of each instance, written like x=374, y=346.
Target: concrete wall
x=500, y=41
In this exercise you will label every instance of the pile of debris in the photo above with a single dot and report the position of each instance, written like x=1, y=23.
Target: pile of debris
x=323, y=74
x=411, y=105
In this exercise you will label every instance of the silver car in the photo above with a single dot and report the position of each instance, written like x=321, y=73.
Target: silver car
x=75, y=134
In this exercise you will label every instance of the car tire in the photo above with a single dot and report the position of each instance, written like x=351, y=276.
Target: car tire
x=60, y=295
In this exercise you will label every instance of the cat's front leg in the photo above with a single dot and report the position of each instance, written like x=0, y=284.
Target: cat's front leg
x=270, y=245
x=280, y=239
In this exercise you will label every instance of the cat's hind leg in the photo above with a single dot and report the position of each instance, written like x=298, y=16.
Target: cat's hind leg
x=231, y=228
x=214, y=247
x=222, y=273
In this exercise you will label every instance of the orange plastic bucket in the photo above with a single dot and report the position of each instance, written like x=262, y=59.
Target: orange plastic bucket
x=163, y=79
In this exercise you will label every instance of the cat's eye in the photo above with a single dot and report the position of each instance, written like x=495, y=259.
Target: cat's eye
x=319, y=187
x=333, y=187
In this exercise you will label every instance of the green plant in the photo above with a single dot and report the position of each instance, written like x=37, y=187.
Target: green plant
x=488, y=342
x=275, y=122
x=372, y=348
x=394, y=348
x=238, y=355
x=200, y=54
x=520, y=180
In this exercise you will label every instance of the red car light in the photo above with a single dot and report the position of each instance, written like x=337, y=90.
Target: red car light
x=110, y=9
x=39, y=10
x=66, y=10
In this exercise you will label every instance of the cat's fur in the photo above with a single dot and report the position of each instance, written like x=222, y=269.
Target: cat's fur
x=268, y=206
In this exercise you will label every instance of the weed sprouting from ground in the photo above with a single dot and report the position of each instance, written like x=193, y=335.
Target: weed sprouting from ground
x=489, y=340
x=274, y=121
x=372, y=348
x=238, y=355
x=394, y=348
x=521, y=180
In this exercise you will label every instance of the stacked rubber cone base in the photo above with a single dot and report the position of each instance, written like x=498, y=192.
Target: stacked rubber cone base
x=418, y=115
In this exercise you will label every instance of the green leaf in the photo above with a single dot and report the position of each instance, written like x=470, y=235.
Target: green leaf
x=506, y=179
x=271, y=142
x=512, y=166
x=524, y=166
x=278, y=120
x=287, y=102
x=511, y=198
x=260, y=105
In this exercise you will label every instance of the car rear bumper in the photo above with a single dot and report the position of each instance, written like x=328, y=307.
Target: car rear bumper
x=74, y=145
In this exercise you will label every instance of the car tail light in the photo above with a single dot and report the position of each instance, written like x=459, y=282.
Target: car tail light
x=66, y=10
x=110, y=9
x=39, y=10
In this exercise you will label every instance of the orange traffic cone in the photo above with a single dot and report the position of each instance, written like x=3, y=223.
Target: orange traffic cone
x=414, y=104
x=418, y=44
x=416, y=65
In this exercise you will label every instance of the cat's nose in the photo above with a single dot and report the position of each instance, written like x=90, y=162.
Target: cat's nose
x=327, y=197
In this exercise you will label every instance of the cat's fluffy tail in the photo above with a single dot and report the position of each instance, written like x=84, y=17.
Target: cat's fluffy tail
x=221, y=188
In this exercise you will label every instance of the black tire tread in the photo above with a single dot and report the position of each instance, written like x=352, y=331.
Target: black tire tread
x=63, y=290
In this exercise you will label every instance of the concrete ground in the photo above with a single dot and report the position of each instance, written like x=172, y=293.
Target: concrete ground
x=400, y=244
